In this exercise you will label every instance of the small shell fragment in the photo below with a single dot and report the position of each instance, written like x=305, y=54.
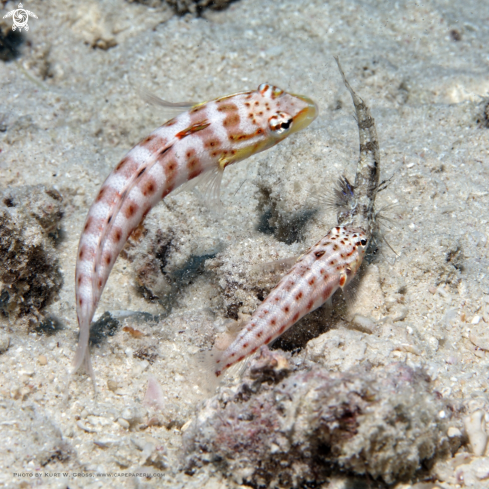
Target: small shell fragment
x=135, y=333
x=112, y=385
x=480, y=337
x=4, y=342
x=84, y=427
x=475, y=431
x=123, y=423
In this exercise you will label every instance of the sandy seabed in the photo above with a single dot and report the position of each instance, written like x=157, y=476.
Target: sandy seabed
x=70, y=110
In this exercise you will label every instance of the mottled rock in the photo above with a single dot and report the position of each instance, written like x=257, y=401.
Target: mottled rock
x=42, y=441
x=288, y=428
x=4, y=342
x=341, y=349
x=245, y=273
x=197, y=6
x=29, y=272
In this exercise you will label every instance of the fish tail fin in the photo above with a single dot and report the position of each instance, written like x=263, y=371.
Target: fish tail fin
x=206, y=364
x=82, y=356
x=214, y=361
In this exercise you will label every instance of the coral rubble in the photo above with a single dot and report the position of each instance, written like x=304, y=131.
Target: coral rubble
x=29, y=272
x=288, y=426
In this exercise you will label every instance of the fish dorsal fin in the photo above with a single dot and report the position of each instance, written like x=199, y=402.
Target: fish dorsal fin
x=169, y=110
x=152, y=99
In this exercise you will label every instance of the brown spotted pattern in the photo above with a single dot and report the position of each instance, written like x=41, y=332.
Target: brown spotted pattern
x=311, y=282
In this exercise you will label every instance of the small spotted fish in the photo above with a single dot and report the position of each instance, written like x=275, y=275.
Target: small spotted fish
x=331, y=263
x=324, y=268
x=196, y=145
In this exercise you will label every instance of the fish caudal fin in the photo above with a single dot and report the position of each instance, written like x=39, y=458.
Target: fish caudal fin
x=82, y=355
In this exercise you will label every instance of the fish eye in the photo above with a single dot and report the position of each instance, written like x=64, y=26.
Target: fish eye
x=363, y=242
x=280, y=123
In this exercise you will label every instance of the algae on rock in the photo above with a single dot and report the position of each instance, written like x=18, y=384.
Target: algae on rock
x=30, y=277
x=287, y=426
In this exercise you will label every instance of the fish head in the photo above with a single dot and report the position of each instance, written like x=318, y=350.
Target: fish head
x=271, y=115
x=357, y=239
x=289, y=113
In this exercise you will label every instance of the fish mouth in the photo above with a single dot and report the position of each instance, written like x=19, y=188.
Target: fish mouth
x=306, y=115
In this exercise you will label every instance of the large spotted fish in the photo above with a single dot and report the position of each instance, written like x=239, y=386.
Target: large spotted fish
x=327, y=266
x=196, y=145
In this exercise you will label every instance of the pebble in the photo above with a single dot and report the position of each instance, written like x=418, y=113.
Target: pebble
x=28, y=371
x=401, y=314
x=86, y=428
x=112, y=385
x=475, y=431
x=123, y=423
x=406, y=347
x=42, y=360
x=363, y=324
x=454, y=432
x=480, y=337
x=433, y=343
x=4, y=342
x=139, y=368
x=107, y=442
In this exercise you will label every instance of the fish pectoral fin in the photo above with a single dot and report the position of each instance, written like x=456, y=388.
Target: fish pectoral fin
x=209, y=183
x=277, y=267
x=350, y=292
x=210, y=188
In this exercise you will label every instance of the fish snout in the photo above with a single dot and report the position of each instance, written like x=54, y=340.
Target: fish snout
x=307, y=115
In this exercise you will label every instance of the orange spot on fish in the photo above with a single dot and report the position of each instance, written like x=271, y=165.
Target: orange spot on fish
x=194, y=167
x=130, y=210
x=121, y=164
x=231, y=120
x=198, y=126
x=227, y=107
x=149, y=187
x=88, y=224
x=147, y=140
x=327, y=293
x=100, y=195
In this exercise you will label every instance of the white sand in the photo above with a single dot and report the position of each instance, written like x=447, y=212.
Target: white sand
x=72, y=111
